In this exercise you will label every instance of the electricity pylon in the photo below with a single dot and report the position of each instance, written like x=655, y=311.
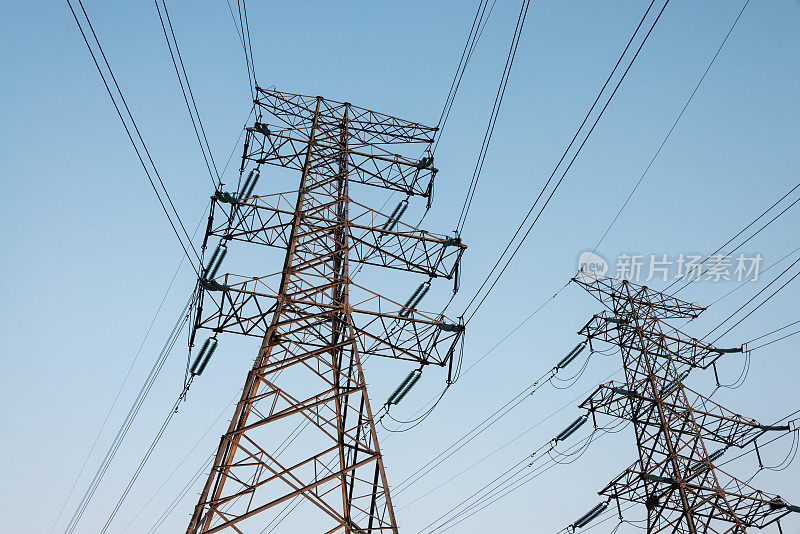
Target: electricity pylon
x=675, y=476
x=317, y=325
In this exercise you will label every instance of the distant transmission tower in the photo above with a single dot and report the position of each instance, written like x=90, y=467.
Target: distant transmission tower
x=317, y=325
x=680, y=433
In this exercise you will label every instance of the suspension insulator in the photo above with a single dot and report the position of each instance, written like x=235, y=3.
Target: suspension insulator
x=200, y=362
x=672, y=386
x=398, y=212
x=417, y=374
x=249, y=191
x=415, y=299
x=575, y=425
x=213, y=259
x=404, y=387
x=208, y=355
x=590, y=515
x=711, y=458
x=215, y=262
x=566, y=360
x=246, y=184
x=657, y=478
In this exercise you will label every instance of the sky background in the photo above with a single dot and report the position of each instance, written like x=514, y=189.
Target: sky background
x=88, y=255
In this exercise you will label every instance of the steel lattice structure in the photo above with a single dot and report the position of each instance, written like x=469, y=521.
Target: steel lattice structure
x=318, y=326
x=679, y=432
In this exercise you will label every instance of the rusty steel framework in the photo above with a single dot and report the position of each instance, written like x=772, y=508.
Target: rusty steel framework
x=679, y=432
x=317, y=326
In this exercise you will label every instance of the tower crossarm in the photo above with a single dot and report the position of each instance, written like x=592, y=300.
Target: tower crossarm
x=243, y=307
x=376, y=238
x=619, y=295
x=366, y=127
x=636, y=402
x=722, y=506
x=370, y=164
x=620, y=329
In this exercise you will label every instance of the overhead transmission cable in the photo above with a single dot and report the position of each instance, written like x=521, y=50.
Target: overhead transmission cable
x=672, y=128
x=173, y=410
x=577, y=133
x=558, y=166
x=498, y=102
x=475, y=33
x=161, y=193
x=737, y=323
x=538, y=423
x=695, y=276
x=245, y=24
x=130, y=417
x=185, y=86
x=496, y=491
x=764, y=271
x=645, y=172
x=183, y=460
x=122, y=386
x=170, y=339
x=243, y=40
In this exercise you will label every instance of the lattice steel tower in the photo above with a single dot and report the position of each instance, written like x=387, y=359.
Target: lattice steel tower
x=680, y=434
x=317, y=325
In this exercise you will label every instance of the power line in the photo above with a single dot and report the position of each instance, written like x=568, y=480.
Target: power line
x=246, y=31
x=737, y=323
x=776, y=340
x=173, y=410
x=740, y=286
x=205, y=149
x=188, y=245
x=774, y=331
x=672, y=128
x=129, y=418
x=475, y=33
x=498, y=101
x=509, y=442
x=555, y=170
x=739, y=233
x=124, y=381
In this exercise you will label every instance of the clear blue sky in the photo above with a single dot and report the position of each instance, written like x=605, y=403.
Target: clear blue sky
x=88, y=254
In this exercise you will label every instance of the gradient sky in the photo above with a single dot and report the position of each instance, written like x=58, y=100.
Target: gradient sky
x=88, y=254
